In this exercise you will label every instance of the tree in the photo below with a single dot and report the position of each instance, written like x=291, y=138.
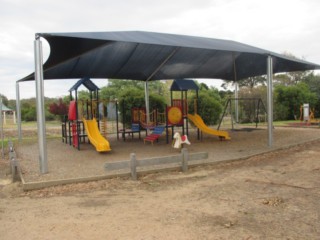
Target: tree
x=28, y=109
x=203, y=86
x=58, y=109
x=115, y=88
x=209, y=108
x=249, y=105
x=250, y=82
x=290, y=78
x=4, y=99
x=134, y=97
x=313, y=82
x=83, y=95
x=209, y=104
x=288, y=100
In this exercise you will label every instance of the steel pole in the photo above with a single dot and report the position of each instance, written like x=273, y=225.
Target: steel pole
x=146, y=93
x=1, y=126
x=236, y=88
x=146, y=90
x=40, y=106
x=18, y=109
x=270, y=100
x=236, y=101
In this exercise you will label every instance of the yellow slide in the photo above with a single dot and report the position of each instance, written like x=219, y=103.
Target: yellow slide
x=95, y=137
x=197, y=120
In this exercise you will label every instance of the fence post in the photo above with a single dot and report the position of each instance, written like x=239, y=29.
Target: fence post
x=133, y=166
x=185, y=158
x=13, y=161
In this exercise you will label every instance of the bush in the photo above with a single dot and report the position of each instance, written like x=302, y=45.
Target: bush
x=288, y=100
x=59, y=109
x=29, y=114
x=209, y=108
x=133, y=97
x=280, y=112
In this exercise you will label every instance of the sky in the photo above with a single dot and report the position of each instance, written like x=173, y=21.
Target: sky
x=280, y=26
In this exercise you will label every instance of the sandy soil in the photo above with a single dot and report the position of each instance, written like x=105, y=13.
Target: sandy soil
x=273, y=195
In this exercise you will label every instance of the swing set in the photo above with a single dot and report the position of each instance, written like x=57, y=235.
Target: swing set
x=256, y=110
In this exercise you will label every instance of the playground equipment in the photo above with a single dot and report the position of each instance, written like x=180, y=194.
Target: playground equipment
x=135, y=128
x=73, y=129
x=78, y=125
x=256, y=106
x=179, y=140
x=95, y=137
x=307, y=114
x=155, y=135
x=183, y=86
x=99, y=109
x=139, y=116
x=197, y=120
x=312, y=118
x=175, y=115
x=169, y=119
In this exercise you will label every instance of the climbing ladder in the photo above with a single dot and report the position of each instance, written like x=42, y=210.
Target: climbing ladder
x=103, y=127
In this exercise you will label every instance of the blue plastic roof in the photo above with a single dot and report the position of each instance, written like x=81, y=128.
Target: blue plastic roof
x=183, y=85
x=85, y=82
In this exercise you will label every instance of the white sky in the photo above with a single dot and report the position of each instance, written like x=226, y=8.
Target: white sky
x=276, y=25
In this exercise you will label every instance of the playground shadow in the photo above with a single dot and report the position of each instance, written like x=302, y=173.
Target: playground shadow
x=67, y=164
x=246, y=129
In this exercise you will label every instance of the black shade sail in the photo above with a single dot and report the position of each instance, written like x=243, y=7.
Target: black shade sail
x=150, y=56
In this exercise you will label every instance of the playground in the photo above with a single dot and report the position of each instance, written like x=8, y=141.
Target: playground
x=273, y=195
x=87, y=147
x=66, y=162
x=243, y=190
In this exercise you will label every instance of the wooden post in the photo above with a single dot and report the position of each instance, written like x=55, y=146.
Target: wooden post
x=185, y=158
x=133, y=166
x=13, y=162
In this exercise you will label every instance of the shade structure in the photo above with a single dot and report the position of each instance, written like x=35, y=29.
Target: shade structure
x=148, y=56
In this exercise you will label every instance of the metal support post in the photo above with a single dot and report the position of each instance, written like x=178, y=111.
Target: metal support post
x=270, y=100
x=18, y=109
x=40, y=106
x=146, y=93
x=1, y=128
x=236, y=101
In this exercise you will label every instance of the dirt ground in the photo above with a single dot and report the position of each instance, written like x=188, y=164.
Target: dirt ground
x=273, y=195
